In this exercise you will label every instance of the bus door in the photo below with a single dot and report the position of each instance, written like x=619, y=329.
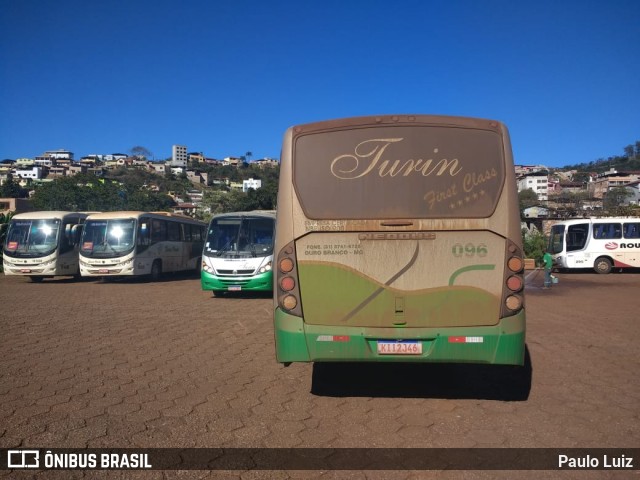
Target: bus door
x=68, y=261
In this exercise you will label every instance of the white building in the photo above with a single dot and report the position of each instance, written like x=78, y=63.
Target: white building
x=537, y=182
x=251, y=183
x=112, y=157
x=56, y=154
x=156, y=167
x=44, y=161
x=179, y=156
x=34, y=173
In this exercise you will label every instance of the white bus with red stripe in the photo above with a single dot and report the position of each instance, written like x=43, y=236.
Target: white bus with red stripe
x=599, y=243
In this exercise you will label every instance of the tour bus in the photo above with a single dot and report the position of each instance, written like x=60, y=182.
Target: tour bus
x=398, y=239
x=43, y=244
x=140, y=243
x=598, y=243
x=238, y=252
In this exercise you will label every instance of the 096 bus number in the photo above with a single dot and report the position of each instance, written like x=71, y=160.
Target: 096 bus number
x=470, y=250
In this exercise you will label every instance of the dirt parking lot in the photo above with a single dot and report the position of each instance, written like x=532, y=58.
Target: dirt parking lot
x=140, y=364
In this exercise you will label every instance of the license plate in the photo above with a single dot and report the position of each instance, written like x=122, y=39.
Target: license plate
x=234, y=288
x=399, y=348
x=25, y=270
x=103, y=270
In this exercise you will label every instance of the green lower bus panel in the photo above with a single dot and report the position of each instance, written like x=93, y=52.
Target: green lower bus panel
x=503, y=343
x=259, y=283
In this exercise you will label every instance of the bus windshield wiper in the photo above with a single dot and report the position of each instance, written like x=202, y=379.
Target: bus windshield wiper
x=226, y=247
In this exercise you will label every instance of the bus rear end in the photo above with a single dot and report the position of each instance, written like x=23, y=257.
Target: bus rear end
x=398, y=239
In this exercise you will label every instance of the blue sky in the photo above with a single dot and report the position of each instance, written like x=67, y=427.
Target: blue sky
x=229, y=77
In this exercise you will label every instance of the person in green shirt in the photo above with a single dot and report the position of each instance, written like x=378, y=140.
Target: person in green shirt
x=548, y=266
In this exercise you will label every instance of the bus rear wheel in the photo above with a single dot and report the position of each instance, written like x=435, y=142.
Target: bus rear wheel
x=602, y=265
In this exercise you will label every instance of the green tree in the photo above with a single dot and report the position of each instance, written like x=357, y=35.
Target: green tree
x=533, y=244
x=614, y=198
x=88, y=193
x=527, y=198
x=12, y=189
x=141, y=152
x=61, y=194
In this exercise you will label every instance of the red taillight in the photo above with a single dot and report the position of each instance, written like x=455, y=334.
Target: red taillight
x=287, y=284
x=514, y=283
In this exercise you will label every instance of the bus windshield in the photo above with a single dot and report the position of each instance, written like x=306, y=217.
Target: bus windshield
x=32, y=238
x=107, y=238
x=556, y=239
x=240, y=237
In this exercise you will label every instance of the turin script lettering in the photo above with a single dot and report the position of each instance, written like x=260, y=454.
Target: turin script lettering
x=367, y=158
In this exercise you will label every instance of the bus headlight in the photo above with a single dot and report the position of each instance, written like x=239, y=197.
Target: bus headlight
x=265, y=268
x=207, y=268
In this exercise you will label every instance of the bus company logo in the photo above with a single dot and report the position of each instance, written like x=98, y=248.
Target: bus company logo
x=23, y=458
x=611, y=245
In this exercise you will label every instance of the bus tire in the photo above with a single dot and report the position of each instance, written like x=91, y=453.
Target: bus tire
x=156, y=270
x=602, y=265
x=36, y=279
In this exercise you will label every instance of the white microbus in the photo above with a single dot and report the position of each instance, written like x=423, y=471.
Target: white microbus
x=598, y=243
x=140, y=243
x=43, y=244
x=238, y=252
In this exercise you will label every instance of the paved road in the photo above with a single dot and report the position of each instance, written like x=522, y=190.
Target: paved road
x=138, y=364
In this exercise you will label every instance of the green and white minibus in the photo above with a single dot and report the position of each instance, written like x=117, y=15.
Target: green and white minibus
x=398, y=239
x=238, y=252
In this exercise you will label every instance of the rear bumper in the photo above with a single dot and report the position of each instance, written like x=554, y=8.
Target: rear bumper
x=260, y=282
x=503, y=343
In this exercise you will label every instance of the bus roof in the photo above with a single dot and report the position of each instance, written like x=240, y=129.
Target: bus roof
x=406, y=119
x=46, y=215
x=574, y=221
x=251, y=213
x=138, y=214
